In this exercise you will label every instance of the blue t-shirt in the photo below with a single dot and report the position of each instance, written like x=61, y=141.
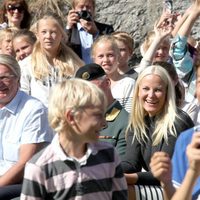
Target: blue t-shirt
x=180, y=161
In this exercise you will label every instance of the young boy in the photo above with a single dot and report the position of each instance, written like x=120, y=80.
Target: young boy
x=75, y=165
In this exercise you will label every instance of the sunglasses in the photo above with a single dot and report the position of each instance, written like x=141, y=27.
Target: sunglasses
x=12, y=8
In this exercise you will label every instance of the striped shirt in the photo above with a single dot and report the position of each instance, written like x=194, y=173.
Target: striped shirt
x=123, y=92
x=51, y=174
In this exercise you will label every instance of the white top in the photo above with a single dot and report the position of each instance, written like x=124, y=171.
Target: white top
x=123, y=92
x=23, y=121
x=193, y=110
x=39, y=89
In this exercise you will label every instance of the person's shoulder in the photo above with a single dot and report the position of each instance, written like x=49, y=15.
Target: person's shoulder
x=44, y=156
x=182, y=113
x=186, y=135
x=131, y=73
x=102, y=147
x=185, y=118
x=116, y=109
x=25, y=65
x=127, y=80
x=104, y=28
x=30, y=101
x=25, y=61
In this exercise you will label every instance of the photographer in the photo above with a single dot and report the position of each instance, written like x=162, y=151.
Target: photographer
x=82, y=29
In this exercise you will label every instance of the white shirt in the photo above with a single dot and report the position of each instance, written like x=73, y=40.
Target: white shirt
x=23, y=121
x=40, y=89
x=86, y=43
x=123, y=92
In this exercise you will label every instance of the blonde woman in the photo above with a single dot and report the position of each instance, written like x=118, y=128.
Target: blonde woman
x=51, y=60
x=154, y=125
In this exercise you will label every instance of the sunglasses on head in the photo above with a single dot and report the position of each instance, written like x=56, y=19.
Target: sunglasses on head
x=12, y=8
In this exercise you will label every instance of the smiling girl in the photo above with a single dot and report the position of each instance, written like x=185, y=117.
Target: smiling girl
x=51, y=60
x=105, y=52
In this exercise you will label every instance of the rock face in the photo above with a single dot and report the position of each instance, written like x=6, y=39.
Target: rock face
x=136, y=17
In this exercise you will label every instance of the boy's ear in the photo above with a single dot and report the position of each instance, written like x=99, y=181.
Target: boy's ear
x=70, y=117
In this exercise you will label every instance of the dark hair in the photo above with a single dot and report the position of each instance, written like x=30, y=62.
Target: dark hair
x=179, y=88
x=27, y=17
x=25, y=33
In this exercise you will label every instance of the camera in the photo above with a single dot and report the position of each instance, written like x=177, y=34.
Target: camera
x=84, y=14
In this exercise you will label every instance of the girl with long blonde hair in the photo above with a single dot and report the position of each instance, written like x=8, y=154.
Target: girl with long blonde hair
x=51, y=60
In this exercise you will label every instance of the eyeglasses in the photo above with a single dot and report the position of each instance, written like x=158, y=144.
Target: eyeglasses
x=12, y=8
x=6, y=77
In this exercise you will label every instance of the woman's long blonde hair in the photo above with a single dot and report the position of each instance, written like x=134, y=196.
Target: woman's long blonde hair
x=164, y=124
x=66, y=60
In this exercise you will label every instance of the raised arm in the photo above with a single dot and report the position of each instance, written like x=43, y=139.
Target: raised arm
x=162, y=30
x=188, y=23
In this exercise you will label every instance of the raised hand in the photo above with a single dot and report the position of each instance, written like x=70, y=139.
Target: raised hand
x=72, y=18
x=89, y=26
x=164, y=26
x=161, y=167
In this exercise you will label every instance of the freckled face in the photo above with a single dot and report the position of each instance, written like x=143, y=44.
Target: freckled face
x=152, y=94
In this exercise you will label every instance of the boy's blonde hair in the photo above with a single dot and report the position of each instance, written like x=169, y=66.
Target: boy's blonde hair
x=164, y=120
x=74, y=94
x=125, y=38
x=66, y=60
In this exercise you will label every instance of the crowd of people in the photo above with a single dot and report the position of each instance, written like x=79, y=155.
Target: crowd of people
x=78, y=121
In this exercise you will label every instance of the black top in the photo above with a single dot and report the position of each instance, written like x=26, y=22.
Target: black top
x=138, y=155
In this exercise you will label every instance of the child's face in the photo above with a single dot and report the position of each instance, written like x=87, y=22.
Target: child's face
x=22, y=47
x=89, y=122
x=124, y=52
x=198, y=84
x=162, y=54
x=6, y=45
x=49, y=35
x=106, y=56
